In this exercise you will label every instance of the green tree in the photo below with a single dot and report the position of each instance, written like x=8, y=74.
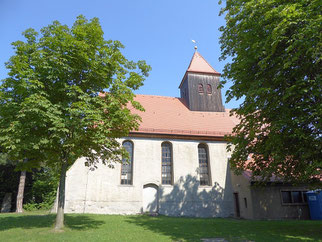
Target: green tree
x=275, y=51
x=50, y=105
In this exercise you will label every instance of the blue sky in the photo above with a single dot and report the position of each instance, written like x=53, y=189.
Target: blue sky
x=159, y=32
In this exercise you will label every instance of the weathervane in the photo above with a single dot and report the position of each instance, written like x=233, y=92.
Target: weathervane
x=195, y=42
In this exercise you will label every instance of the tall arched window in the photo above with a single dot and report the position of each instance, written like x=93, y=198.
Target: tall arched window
x=203, y=165
x=127, y=164
x=166, y=173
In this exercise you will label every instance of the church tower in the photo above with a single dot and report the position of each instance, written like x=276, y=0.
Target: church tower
x=199, y=86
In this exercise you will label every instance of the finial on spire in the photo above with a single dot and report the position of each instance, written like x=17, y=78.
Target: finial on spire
x=195, y=42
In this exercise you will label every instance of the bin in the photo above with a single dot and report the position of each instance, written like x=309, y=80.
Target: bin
x=314, y=200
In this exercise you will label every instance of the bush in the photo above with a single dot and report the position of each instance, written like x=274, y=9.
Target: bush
x=43, y=191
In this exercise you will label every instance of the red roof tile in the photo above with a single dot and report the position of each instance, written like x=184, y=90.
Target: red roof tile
x=168, y=115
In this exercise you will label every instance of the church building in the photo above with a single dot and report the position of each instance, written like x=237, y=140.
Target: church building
x=178, y=159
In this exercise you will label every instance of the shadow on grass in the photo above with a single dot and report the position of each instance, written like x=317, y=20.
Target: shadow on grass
x=72, y=221
x=82, y=222
x=193, y=229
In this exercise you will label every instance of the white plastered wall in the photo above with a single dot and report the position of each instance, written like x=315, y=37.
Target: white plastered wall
x=100, y=191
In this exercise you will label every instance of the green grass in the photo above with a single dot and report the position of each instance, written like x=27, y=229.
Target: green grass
x=88, y=227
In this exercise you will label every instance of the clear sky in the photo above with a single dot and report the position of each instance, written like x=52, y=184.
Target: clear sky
x=159, y=32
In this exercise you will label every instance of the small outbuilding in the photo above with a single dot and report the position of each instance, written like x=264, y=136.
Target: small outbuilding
x=274, y=200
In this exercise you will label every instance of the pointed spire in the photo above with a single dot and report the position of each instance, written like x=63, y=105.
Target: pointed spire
x=200, y=65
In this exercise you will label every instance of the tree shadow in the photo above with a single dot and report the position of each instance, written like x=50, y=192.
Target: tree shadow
x=194, y=229
x=11, y=221
x=82, y=222
x=187, y=198
x=72, y=221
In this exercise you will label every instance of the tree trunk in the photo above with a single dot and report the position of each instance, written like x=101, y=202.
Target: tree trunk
x=61, y=198
x=21, y=189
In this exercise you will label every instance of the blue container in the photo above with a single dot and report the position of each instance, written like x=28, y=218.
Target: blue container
x=314, y=199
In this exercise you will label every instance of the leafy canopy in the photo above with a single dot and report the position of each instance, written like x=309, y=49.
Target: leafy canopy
x=51, y=110
x=275, y=47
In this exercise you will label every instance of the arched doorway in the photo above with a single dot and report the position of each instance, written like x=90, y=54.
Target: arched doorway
x=150, y=198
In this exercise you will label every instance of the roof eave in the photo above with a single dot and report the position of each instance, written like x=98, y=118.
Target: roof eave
x=176, y=136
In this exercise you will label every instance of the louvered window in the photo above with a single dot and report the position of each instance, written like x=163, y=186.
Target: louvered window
x=200, y=88
x=209, y=89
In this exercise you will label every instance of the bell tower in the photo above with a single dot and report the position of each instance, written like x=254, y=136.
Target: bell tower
x=199, y=86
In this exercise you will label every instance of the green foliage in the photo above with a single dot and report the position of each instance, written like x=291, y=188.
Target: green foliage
x=50, y=108
x=31, y=207
x=3, y=159
x=43, y=192
x=275, y=48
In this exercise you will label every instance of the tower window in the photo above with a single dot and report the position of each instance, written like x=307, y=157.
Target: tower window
x=200, y=88
x=209, y=89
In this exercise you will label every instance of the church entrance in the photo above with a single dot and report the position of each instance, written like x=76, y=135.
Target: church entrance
x=150, y=198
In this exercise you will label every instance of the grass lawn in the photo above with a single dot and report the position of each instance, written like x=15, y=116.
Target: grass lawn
x=88, y=227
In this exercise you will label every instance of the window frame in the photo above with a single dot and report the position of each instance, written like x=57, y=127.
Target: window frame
x=290, y=191
x=132, y=159
x=208, y=165
x=171, y=162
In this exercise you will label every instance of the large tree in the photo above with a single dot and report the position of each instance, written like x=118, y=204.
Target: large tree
x=51, y=110
x=275, y=52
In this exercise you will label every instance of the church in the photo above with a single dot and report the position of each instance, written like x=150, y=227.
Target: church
x=178, y=162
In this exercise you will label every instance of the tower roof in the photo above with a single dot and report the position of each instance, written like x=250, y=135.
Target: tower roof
x=198, y=64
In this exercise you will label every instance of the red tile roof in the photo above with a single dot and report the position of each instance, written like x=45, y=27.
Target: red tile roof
x=168, y=115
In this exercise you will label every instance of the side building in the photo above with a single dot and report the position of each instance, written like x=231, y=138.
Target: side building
x=273, y=200
x=178, y=159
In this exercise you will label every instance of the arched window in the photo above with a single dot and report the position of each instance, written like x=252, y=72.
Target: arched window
x=203, y=165
x=209, y=89
x=200, y=88
x=127, y=164
x=166, y=173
